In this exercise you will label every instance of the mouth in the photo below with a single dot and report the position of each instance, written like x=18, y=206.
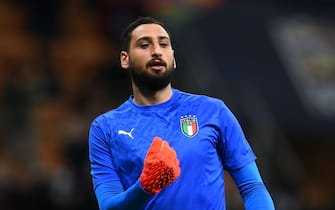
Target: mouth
x=157, y=64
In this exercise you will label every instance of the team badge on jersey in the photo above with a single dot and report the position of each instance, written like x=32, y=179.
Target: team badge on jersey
x=189, y=125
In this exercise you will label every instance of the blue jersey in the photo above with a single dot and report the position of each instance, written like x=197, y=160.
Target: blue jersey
x=204, y=133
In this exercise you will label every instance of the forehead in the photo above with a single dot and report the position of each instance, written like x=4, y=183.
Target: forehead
x=149, y=30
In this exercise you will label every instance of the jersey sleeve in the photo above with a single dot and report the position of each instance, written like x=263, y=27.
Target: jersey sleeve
x=102, y=169
x=108, y=187
x=252, y=189
x=235, y=150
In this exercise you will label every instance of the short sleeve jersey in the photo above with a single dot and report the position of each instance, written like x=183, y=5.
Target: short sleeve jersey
x=205, y=134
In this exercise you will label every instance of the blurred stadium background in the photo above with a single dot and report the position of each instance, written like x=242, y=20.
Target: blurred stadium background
x=272, y=62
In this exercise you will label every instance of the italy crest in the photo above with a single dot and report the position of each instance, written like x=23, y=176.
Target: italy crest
x=189, y=125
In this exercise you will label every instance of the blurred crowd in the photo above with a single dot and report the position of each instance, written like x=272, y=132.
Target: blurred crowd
x=58, y=70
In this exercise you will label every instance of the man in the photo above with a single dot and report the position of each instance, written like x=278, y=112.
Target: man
x=164, y=148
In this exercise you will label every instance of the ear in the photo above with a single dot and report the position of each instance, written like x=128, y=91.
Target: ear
x=174, y=62
x=124, y=59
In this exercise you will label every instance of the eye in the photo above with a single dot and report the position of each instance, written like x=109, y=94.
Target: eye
x=144, y=45
x=164, y=44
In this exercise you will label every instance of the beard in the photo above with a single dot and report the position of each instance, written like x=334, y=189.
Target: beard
x=148, y=81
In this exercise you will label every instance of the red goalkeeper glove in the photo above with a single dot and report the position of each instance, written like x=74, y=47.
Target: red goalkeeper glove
x=161, y=166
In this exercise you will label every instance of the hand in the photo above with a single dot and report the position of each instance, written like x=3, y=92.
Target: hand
x=161, y=166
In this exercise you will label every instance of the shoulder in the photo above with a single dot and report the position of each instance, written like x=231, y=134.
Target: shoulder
x=112, y=115
x=201, y=99
x=209, y=106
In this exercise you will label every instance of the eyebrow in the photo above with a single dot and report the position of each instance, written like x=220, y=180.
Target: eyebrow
x=147, y=38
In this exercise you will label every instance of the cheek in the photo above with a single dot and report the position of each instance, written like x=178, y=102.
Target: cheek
x=140, y=58
x=138, y=63
x=170, y=61
x=169, y=56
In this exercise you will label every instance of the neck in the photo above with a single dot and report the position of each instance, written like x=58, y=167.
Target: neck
x=147, y=97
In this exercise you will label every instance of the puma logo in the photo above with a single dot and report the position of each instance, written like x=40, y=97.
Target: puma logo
x=122, y=132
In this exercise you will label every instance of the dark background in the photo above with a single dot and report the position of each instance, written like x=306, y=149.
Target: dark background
x=59, y=69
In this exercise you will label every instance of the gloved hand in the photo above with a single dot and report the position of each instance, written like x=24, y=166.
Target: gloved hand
x=161, y=166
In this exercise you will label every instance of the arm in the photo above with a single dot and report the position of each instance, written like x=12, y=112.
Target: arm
x=108, y=187
x=160, y=161
x=110, y=197
x=252, y=189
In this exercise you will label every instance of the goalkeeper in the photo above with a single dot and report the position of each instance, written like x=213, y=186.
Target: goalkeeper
x=164, y=148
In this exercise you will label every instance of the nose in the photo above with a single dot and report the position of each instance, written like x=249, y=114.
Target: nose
x=156, y=50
